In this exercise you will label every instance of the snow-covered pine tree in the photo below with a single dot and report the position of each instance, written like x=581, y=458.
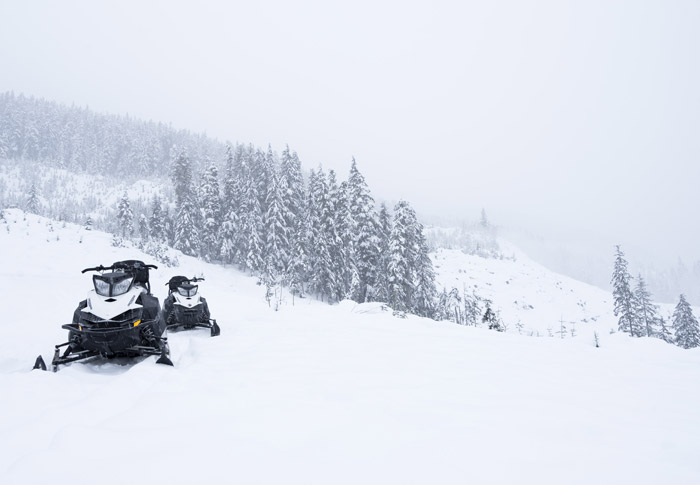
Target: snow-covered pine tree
x=249, y=249
x=298, y=268
x=211, y=213
x=364, y=227
x=144, y=230
x=125, y=216
x=230, y=204
x=484, y=222
x=276, y=249
x=646, y=313
x=321, y=277
x=157, y=222
x=33, y=200
x=383, y=234
x=186, y=233
x=685, y=325
x=338, y=229
x=88, y=223
x=663, y=331
x=182, y=179
x=491, y=319
x=187, y=213
x=623, y=296
x=425, y=291
x=402, y=252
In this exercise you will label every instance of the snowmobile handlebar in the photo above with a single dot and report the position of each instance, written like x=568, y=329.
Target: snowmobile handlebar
x=116, y=266
x=189, y=280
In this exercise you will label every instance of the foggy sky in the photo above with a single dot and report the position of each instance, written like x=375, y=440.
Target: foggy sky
x=577, y=120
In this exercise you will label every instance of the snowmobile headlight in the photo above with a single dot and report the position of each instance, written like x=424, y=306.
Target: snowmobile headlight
x=101, y=286
x=188, y=291
x=122, y=286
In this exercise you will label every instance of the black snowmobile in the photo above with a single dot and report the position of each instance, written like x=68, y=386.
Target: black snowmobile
x=185, y=308
x=119, y=318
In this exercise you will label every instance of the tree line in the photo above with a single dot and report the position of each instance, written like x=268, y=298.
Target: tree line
x=315, y=235
x=639, y=317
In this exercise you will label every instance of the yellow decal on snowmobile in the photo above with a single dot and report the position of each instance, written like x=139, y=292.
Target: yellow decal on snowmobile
x=136, y=323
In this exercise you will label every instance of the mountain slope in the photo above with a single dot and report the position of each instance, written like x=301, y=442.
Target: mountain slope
x=324, y=394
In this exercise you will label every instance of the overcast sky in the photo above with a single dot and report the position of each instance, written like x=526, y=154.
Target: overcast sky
x=580, y=119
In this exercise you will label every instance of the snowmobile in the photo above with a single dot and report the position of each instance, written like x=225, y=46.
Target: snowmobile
x=185, y=307
x=119, y=318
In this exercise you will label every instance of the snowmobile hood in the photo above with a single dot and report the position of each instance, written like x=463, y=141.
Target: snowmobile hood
x=107, y=308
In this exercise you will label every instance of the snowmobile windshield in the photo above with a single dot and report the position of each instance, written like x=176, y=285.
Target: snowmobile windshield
x=113, y=284
x=188, y=291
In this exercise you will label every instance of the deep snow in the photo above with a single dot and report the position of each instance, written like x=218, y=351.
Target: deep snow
x=325, y=394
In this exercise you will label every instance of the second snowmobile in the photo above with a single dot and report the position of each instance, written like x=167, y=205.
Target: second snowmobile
x=119, y=318
x=185, y=307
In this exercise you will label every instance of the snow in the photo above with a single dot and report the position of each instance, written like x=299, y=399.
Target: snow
x=318, y=394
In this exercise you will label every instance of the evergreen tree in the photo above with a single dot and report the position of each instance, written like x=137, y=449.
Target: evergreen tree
x=157, y=222
x=88, y=223
x=298, y=268
x=124, y=215
x=425, y=291
x=663, y=332
x=144, y=231
x=186, y=233
x=623, y=296
x=646, y=313
x=33, y=200
x=276, y=241
x=484, y=220
x=211, y=212
x=685, y=325
x=402, y=252
x=366, y=242
x=321, y=276
x=491, y=319
x=383, y=234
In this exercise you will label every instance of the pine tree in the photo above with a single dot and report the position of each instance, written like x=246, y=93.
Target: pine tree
x=425, y=291
x=211, y=212
x=157, y=222
x=187, y=213
x=646, y=313
x=321, y=276
x=88, y=223
x=33, y=200
x=186, y=233
x=686, y=325
x=623, y=296
x=663, y=332
x=364, y=227
x=484, y=220
x=276, y=241
x=383, y=235
x=144, y=230
x=124, y=215
x=402, y=253
x=491, y=319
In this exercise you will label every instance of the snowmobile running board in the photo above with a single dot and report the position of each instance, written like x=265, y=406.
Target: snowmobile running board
x=67, y=358
x=215, y=330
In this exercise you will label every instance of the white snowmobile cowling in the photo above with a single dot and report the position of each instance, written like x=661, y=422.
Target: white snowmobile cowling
x=187, y=302
x=108, y=307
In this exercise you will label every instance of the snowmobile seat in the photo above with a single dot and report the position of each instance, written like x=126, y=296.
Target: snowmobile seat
x=176, y=281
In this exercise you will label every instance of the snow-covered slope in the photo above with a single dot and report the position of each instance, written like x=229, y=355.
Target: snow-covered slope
x=526, y=292
x=318, y=394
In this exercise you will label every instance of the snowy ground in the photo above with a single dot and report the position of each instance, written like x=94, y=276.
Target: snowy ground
x=317, y=394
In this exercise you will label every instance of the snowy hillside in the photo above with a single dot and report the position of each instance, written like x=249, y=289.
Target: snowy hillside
x=526, y=292
x=346, y=393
